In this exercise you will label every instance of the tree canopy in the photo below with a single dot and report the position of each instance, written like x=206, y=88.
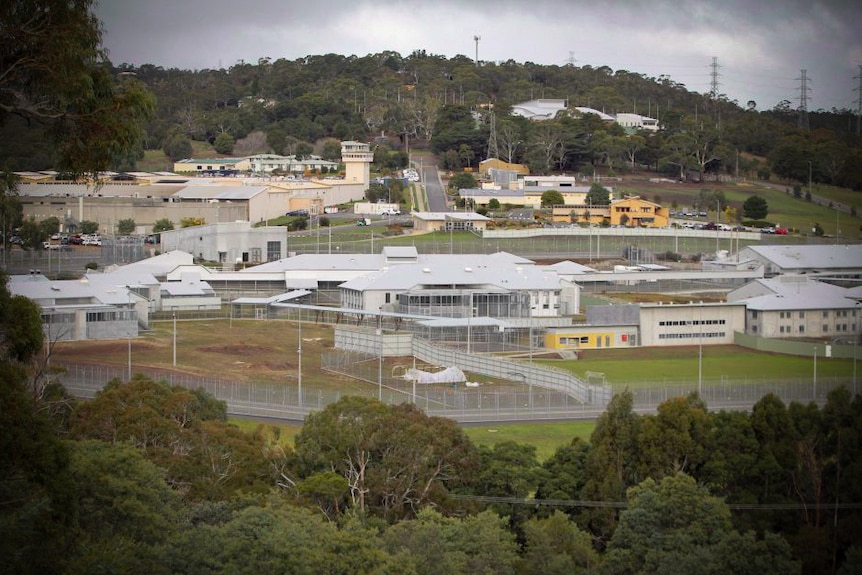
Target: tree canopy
x=58, y=80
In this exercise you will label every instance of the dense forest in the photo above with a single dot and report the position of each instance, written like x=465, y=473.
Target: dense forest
x=152, y=478
x=450, y=106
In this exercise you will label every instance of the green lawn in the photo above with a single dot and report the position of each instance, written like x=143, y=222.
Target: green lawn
x=546, y=437
x=655, y=365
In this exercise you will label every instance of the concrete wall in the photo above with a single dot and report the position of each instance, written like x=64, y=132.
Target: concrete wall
x=107, y=212
x=690, y=324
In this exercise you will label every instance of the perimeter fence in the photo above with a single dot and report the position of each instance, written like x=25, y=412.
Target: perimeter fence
x=489, y=402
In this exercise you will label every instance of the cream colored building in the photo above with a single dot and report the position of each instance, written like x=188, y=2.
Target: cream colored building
x=695, y=323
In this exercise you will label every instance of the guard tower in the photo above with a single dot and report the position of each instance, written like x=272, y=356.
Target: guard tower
x=357, y=159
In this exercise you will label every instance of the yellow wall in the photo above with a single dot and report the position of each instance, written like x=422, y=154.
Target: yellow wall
x=582, y=340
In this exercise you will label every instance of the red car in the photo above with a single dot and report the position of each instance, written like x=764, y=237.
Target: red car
x=781, y=231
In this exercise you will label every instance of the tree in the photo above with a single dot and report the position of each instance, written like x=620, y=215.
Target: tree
x=49, y=226
x=11, y=210
x=224, y=143
x=755, y=208
x=462, y=181
x=126, y=227
x=162, y=225
x=331, y=150
x=38, y=506
x=555, y=545
x=667, y=527
x=57, y=78
x=88, y=227
x=552, y=198
x=395, y=458
x=598, y=195
x=675, y=439
x=192, y=221
x=493, y=204
x=178, y=147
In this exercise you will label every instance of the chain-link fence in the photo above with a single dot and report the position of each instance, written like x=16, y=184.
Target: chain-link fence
x=486, y=403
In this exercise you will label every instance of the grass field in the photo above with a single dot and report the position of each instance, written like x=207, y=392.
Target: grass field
x=545, y=437
x=648, y=366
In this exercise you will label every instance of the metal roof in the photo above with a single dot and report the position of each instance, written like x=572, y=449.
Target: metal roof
x=799, y=293
x=816, y=257
x=207, y=192
x=481, y=276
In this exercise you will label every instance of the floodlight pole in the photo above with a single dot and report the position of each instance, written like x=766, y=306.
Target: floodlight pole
x=132, y=316
x=175, y=339
x=299, y=363
x=380, y=355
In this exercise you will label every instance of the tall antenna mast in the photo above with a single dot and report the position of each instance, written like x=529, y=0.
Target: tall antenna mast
x=803, y=101
x=714, y=75
x=476, y=39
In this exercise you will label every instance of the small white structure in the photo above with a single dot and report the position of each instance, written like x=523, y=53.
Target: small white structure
x=634, y=122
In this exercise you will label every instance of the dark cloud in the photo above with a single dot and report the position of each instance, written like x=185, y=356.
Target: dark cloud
x=761, y=46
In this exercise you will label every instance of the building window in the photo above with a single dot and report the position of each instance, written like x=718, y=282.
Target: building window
x=754, y=329
x=825, y=314
x=754, y=314
x=801, y=314
x=801, y=329
x=388, y=297
x=825, y=328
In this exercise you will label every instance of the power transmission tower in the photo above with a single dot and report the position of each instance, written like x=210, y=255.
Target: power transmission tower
x=858, y=102
x=571, y=59
x=492, y=138
x=714, y=75
x=476, y=39
x=803, y=101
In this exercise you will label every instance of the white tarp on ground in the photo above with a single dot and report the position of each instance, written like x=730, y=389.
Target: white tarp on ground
x=448, y=375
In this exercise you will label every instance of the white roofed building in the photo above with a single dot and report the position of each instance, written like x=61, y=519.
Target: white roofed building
x=798, y=306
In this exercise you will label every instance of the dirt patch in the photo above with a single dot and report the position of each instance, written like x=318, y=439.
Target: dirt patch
x=236, y=349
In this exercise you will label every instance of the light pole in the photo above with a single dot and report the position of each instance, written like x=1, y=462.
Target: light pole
x=175, y=339
x=700, y=355
x=380, y=355
x=299, y=362
x=132, y=316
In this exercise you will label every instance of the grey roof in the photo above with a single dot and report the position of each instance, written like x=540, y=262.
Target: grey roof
x=481, y=277
x=282, y=297
x=570, y=268
x=376, y=262
x=799, y=293
x=53, y=293
x=816, y=257
x=186, y=287
x=602, y=115
x=159, y=265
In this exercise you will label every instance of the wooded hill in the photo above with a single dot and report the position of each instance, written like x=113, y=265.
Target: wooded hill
x=446, y=104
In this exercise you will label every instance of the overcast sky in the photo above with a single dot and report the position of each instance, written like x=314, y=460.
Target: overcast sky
x=761, y=45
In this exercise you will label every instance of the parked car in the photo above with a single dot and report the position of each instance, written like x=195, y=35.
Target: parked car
x=781, y=231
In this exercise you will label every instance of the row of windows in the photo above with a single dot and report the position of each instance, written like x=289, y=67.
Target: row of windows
x=789, y=314
x=694, y=322
x=690, y=335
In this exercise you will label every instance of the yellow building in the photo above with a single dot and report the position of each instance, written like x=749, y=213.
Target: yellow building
x=485, y=166
x=591, y=337
x=631, y=212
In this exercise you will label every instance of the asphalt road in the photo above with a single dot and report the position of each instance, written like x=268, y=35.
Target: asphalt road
x=434, y=190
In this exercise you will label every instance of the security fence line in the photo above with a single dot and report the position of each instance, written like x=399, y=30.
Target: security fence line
x=481, y=404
